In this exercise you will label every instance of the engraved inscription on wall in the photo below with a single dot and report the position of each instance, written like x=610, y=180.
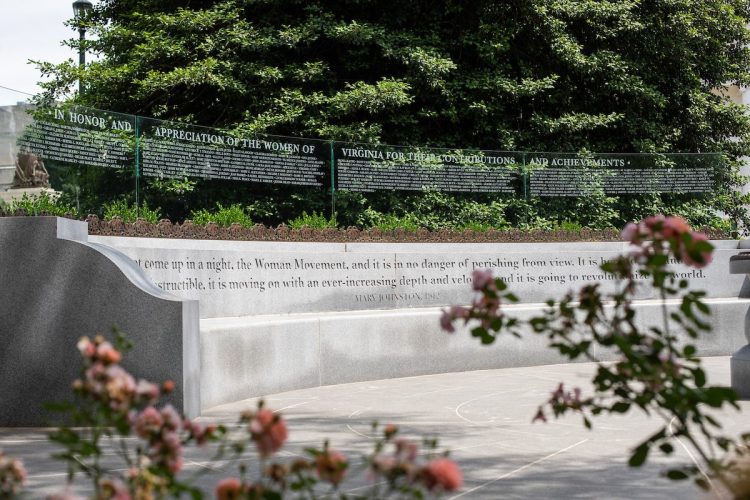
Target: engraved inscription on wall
x=230, y=283
x=81, y=139
x=365, y=170
x=169, y=152
x=572, y=176
x=86, y=136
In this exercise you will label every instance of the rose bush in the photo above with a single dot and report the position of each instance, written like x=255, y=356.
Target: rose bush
x=655, y=369
x=112, y=407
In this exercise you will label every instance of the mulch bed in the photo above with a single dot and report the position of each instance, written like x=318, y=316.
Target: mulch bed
x=212, y=231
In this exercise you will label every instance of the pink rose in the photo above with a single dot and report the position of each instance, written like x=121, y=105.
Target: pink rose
x=446, y=321
x=268, y=431
x=167, y=386
x=630, y=233
x=86, y=347
x=172, y=420
x=167, y=451
x=119, y=386
x=107, y=353
x=451, y=314
x=198, y=431
x=443, y=473
x=331, y=466
x=12, y=476
x=229, y=489
x=482, y=279
x=146, y=390
x=389, y=430
x=652, y=221
x=692, y=257
x=148, y=422
x=675, y=226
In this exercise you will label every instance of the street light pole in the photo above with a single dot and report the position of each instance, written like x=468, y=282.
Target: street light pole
x=81, y=51
x=81, y=10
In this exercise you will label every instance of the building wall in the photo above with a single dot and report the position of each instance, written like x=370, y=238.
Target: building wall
x=13, y=121
x=741, y=95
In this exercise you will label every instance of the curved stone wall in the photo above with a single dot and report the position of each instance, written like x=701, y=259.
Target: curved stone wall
x=281, y=316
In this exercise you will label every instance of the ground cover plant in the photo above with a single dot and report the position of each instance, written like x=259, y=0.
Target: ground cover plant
x=129, y=212
x=223, y=216
x=42, y=204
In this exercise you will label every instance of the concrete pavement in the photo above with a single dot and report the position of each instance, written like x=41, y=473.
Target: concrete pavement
x=483, y=417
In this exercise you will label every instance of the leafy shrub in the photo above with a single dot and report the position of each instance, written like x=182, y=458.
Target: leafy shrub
x=568, y=225
x=41, y=204
x=434, y=210
x=223, y=216
x=312, y=221
x=390, y=222
x=479, y=227
x=129, y=213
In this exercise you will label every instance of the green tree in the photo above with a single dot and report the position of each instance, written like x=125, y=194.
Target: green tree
x=550, y=75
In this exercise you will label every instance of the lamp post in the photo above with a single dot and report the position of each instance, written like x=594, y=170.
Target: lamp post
x=81, y=10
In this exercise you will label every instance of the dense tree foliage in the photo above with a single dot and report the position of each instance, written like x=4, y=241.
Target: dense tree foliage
x=544, y=75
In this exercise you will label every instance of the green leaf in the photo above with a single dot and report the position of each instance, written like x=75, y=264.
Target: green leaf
x=703, y=307
x=677, y=475
x=658, y=260
x=699, y=376
x=639, y=456
x=716, y=396
x=666, y=448
x=65, y=436
x=620, y=407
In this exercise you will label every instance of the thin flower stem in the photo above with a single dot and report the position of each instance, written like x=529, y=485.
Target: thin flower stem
x=125, y=453
x=665, y=317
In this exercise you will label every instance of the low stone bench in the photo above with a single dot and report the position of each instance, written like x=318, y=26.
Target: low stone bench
x=251, y=356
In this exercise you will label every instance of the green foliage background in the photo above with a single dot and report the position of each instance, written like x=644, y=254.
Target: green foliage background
x=538, y=75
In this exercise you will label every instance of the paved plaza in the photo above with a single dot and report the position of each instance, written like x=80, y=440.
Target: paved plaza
x=483, y=417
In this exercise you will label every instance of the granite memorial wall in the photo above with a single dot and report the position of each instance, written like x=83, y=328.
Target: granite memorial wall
x=248, y=278
x=278, y=316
